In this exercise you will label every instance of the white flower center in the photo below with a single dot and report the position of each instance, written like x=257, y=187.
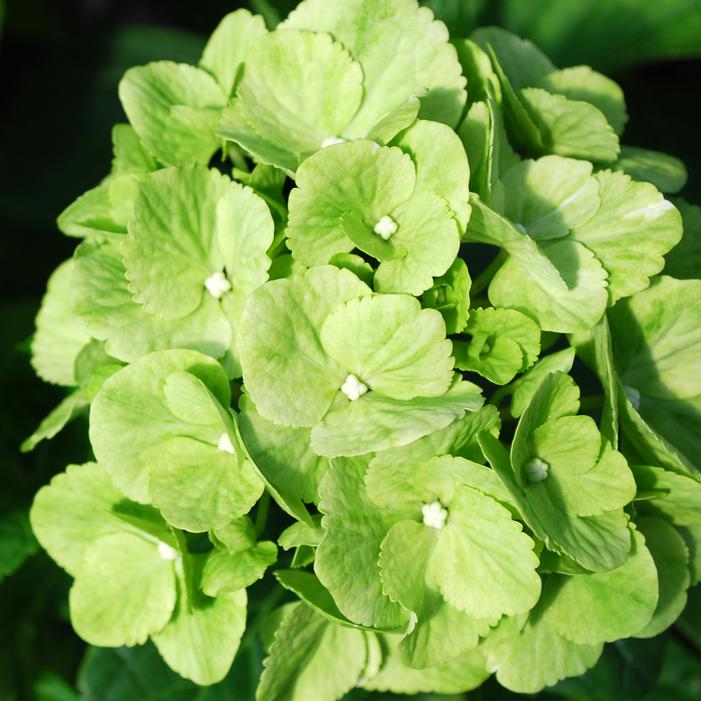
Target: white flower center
x=217, y=285
x=536, y=470
x=434, y=514
x=166, y=552
x=353, y=388
x=633, y=395
x=332, y=141
x=385, y=227
x=225, y=444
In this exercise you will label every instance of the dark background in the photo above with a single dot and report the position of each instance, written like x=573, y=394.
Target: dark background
x=60, y=63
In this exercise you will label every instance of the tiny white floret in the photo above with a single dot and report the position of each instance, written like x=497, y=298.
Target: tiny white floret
x=332, y=141
x=353, y=388
x=385, y=227
x=536, y=470
x=521, y=228
x=225, y=444
x=217, y=285
x=633, y=395
x=434, y=514
x=166, y=552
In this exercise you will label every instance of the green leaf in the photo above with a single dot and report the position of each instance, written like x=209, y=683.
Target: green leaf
x=406, y=356
x=633, y=229
x=81, y=506
x=298, y=90
x=514, y=652
x=504, y=342
x=130, y=419
x=174, y=108
x=682, y=262
x=226, y=572
x=346, y=560
x=124, y=591
x=450, y=295
x=619, y=603
x=668, y=495
x=129, y=154
x=402, y=51
x=229, y=45
x=356, y=177
x=376, y=423
x=571, y=127
x=16, y=542
x=287, y=372
x=583, y=84
x=202, y=638
x=58, y=338
x=441, y=164
x=311, y=658
x=548, y=197
x=104, y=306
x=667, y=173
x=671, y=557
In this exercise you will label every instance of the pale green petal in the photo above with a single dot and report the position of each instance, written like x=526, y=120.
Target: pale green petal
x=665, y=172
x=406, y=355
x=582, y=83
x=227, y=572
x=346, y=560
x=402, y=51
x=59, y=417
x=668, y=495
x=671, y=557
x=298, y=89
x=82, y=505
x=228, y=46
x=571, y=127
x=374, y=422
x=174, y=108
x=287, y=372
x=430, y=235
x=618, y=604
x=124, y=591
x=57, y=339
x=130, y=418
x=395, y=121
x=483, y=562
x=355, y=177
x=527, y=658
x=128, y=151
x=202, y=638
x=441, y=164
x=311, y=658
x=104, y=306
x=573, y=305
x=504, y=342
x=450, y=295
x=633, y=229
x=547, y=197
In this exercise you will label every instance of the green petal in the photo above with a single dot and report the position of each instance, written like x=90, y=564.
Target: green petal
x=58, y=339
x=374, y=422
x=130, y=418
x=571, y=127
x=405, y=354
x=633, y=229
x=298, y=89
x=668, y=495
x=665, y=172
x=671, y=557
x=346, y=560
x=202, y=638
x=483, y=562
x=547, y=197
x=311, y=658
x=174, y=108
x=57, y=419
x=228, y=572
x=450, y=295
x=81, y=506
x=129, y=154
x=504, y=342
x=124, y=591
x=229, y=45
x=584, y=84
x=402, y=51
x=355, y=177
x=618, y=603
x=287, y=372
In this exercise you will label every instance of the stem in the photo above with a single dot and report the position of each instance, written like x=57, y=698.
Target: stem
x=485, y=277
